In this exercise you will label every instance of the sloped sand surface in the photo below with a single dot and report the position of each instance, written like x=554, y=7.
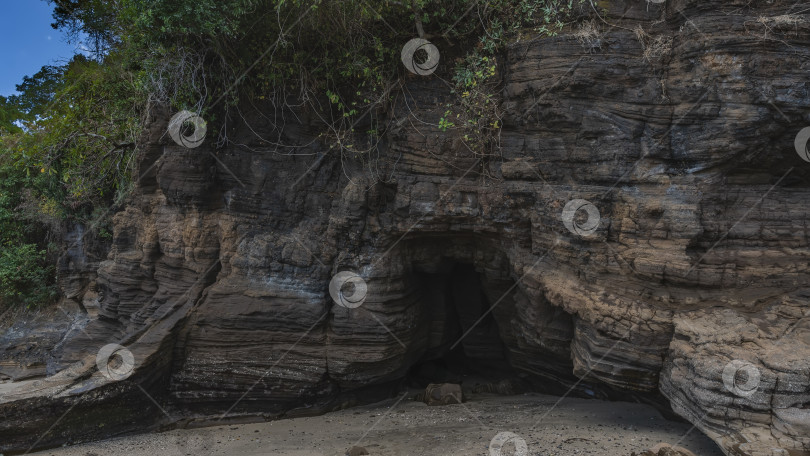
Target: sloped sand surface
x=400, y=426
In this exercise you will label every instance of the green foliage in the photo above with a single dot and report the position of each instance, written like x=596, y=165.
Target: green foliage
x=475, y=76
x=97, y=19
x=196, y=54
x=81, y=122
x=24, y=280
x=208, y=54
x=444, y=123
x=37, y=91
x=67, y=142
x=25, y=277
x=9, y=114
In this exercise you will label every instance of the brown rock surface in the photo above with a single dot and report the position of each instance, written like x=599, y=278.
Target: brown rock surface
x=693, y=284
x=442, y=394
x=356, y=451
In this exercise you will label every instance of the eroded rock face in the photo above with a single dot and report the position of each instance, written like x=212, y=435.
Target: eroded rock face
x=691, y=282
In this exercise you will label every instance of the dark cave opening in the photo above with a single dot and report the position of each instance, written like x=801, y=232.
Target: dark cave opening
x=464, y=343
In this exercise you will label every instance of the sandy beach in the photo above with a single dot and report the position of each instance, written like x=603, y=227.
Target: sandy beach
x=401, y=426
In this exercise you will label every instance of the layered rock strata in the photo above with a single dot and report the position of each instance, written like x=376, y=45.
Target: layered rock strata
x=674, y=120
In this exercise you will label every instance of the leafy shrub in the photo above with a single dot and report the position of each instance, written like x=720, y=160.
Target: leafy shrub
x=25, y=279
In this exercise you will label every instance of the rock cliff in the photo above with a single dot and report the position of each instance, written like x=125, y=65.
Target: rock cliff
x=642, y=230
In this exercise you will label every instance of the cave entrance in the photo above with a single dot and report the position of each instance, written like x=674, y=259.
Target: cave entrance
x=464, y=344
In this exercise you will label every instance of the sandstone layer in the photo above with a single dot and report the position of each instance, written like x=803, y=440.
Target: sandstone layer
x=676, y=121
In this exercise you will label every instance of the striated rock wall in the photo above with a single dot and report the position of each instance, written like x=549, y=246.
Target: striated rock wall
x=673, y=123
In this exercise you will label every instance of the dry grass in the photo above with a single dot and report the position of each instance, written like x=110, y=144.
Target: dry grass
x=654, y=47
x=588, y=35
x=776, y=27
x=785, y=20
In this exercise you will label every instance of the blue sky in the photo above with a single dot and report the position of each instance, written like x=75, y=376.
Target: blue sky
x=29, y=42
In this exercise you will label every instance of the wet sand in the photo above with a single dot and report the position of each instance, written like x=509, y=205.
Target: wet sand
x=401, y=427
